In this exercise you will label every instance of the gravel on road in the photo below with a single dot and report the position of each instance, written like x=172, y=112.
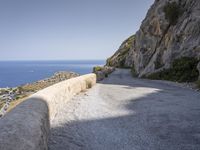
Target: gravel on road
x=125, y=113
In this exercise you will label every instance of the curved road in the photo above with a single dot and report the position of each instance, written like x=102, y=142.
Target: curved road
x=122, y=113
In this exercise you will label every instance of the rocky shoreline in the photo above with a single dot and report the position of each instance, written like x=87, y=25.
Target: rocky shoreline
x=9, y=95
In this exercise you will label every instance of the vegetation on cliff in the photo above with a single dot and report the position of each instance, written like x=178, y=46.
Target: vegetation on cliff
x=172, y=12
x=183, y=70
x=97, y=68
x=102, y=71
x=120, y=57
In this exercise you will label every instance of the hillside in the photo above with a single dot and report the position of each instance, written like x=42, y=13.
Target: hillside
x=168, y=41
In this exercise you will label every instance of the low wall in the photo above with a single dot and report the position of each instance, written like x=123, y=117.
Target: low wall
x=27, y=126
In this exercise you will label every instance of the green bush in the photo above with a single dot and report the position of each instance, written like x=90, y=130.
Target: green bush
x=182, y=70
x=172, y=12
x=185, y=69
x=162, y=75
x=97, y=68
x=17, y=97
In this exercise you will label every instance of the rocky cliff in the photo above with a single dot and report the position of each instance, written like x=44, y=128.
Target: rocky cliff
x=170, y=31
x=123, y=56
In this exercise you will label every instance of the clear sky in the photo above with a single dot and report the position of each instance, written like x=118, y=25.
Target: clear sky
x=67, y=29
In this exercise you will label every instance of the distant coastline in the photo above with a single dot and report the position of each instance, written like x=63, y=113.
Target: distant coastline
x=17, y=94
x=20, y=79
x=16, y=73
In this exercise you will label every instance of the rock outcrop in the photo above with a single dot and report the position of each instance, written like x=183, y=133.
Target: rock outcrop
x=102, y=72
x=171, y=30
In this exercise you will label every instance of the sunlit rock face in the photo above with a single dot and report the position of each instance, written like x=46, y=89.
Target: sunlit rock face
x=170, y=30
x=123, y=57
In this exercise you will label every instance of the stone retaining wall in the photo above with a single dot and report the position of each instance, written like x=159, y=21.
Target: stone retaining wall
x=27, y=126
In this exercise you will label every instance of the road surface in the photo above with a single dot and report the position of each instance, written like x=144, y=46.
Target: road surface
x=122, y=113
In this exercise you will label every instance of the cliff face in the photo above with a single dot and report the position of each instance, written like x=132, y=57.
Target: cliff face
x=171, y=30
x=123, y=56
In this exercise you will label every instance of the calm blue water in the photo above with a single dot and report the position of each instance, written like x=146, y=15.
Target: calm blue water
x=15, y=73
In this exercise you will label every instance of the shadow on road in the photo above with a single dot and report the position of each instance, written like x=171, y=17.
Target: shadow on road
x=166, y=119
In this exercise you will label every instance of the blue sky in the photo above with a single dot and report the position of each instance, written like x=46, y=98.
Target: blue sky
x=67, y=29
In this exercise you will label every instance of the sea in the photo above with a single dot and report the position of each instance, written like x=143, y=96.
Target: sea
x=16, y=73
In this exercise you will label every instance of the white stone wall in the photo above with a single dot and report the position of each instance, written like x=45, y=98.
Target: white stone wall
x=27, y=126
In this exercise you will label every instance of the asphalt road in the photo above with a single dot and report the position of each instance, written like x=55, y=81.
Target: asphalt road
x=122, y=113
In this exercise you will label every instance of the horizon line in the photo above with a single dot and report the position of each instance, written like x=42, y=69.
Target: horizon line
x=55, y=60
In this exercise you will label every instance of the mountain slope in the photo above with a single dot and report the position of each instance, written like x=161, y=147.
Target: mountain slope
x=171, y=30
